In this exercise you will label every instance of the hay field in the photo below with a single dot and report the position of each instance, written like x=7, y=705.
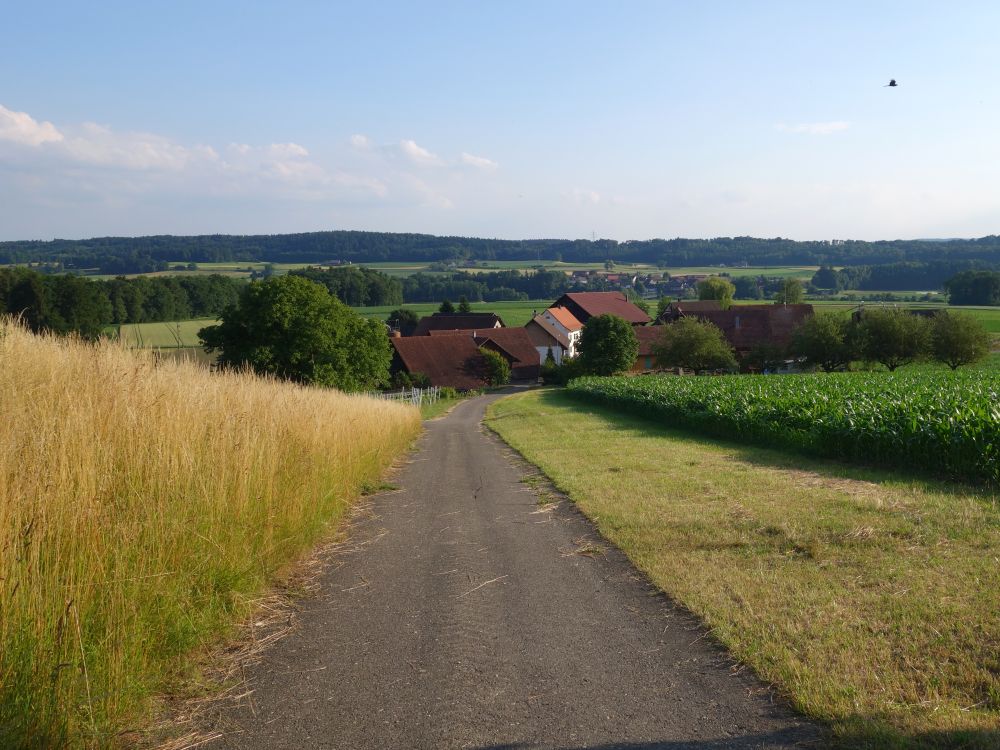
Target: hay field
x=143, y=506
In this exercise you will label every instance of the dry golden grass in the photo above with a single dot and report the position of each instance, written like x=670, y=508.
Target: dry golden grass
x=869, y=598
x=142, y=506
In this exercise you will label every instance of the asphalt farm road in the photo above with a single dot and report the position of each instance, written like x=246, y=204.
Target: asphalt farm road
x=468, y=615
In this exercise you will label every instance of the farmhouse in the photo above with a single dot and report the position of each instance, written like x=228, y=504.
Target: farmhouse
x=546, y=337
x=585, y=305
x=566, y=324
x=457, y=322
x=513, y=344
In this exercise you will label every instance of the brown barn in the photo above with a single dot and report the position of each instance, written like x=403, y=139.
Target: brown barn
x=645, y=360
x=749, y=326
x=514, y=344
x=452, y=361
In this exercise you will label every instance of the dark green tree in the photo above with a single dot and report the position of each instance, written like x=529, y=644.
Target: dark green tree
x=293, y=328
x=608, y=345
x=958, y=339
x=716, y=287
x=825, y=341
x=497, y=367
x=694, y=345
x=893, y=337
x=791, y=292
x=974, y=288
x=463, y=305
x=403, y=320
x=446, y=307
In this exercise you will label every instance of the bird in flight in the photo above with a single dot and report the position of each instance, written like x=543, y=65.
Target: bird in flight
x=892, y=82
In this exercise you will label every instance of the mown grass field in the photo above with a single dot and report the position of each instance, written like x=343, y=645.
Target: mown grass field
x=144, y=505
x=868, y=598
x=165, y=335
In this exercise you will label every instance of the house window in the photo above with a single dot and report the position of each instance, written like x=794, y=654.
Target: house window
x=737, y=322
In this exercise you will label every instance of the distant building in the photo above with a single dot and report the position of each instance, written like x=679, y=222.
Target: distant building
x=457, y=322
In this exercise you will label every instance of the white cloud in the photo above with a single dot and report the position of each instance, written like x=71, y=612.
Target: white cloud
x=20, y=127
x=361, y=142
x=814, y=128
x=480, y=162
x=418, y=154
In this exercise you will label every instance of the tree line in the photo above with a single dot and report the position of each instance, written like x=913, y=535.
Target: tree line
x=72, y=304
x=141, y=254
x=906, y=275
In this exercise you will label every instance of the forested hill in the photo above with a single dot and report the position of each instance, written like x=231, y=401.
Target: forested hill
x=137, y=254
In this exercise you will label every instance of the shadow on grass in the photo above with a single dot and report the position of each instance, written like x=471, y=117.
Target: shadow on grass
x=776, y=457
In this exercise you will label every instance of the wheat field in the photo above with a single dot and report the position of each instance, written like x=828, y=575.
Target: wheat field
x=142, y=506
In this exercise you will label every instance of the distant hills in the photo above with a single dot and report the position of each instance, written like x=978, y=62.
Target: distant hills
x=140, y=254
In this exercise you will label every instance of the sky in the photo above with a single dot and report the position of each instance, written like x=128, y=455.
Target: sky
x=626, y=120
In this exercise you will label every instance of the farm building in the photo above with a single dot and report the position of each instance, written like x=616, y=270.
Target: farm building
x=585, y=305
x=750, y=326
x=645, y=361
x=514, y=344
x=547, y=336
x=452, y=361
x=457, y=322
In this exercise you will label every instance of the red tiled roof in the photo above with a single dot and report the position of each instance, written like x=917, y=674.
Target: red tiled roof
x=456, y=322
x=565, y=317
x=599, y=303
x=514, y=341
x=452, y=361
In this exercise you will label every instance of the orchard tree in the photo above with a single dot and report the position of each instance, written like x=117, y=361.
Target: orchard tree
x=716, y=287
x=293, y=328
x=826, y=341
x=958, y=339
x=694, y=345
x=893, y=337
x=608, y=345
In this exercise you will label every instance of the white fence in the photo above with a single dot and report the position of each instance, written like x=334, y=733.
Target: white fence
x=415, y=396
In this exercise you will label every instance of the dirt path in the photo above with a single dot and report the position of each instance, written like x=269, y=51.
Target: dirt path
x=471, y=616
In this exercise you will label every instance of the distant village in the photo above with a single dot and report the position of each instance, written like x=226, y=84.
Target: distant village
x=444, y=348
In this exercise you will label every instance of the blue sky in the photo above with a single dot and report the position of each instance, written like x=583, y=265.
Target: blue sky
x=516, y=119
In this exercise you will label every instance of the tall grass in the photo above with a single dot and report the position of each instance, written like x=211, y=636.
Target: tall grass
x=142, y=505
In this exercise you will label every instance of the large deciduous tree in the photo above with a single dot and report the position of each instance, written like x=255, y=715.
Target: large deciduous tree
x=791, y=292
x=826, y=341
x=718, y=288
x=958, y=339
x=694, y=345
x=293, y=328
x=893, y=337
x=608, y=345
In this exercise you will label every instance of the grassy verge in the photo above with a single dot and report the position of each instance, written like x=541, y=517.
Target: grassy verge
x=142, y=507
x=868, y=598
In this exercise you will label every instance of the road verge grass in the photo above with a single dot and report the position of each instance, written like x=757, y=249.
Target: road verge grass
x=868, y=598
x=143, y=505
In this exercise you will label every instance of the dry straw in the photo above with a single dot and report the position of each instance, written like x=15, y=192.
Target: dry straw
x=142, y=505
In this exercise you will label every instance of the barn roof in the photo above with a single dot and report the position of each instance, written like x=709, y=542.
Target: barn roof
x=746, y=326
x=599, y=303
x=452, y=361
x=456, y=322
x=514, y=341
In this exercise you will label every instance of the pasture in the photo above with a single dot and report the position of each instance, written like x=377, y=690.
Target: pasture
x=867, y=597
